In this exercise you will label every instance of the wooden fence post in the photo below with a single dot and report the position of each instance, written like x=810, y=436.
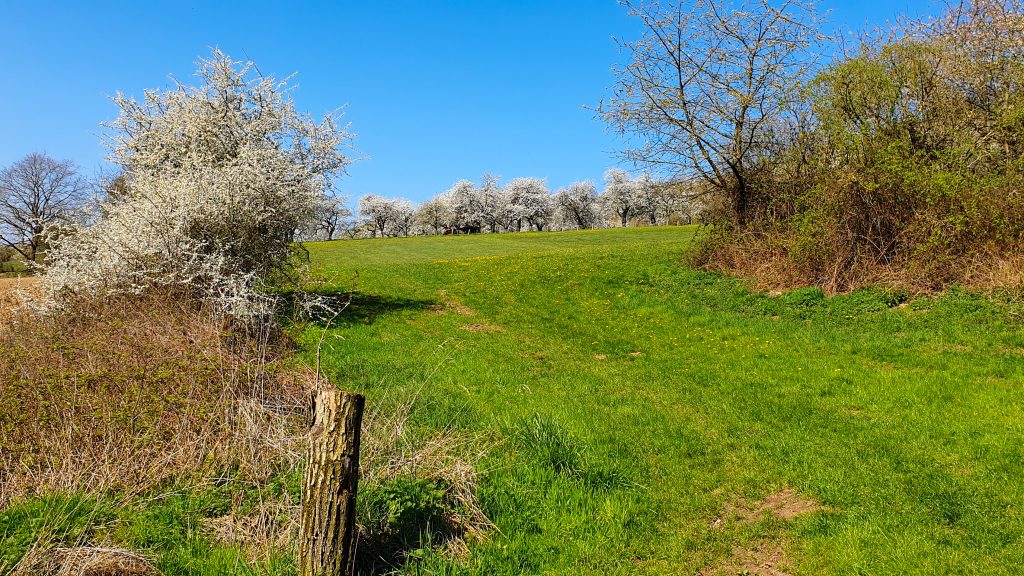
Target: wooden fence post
x=327, y=535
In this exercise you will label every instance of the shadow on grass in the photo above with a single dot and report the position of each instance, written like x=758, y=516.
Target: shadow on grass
x=356, y=307
x=367, y=308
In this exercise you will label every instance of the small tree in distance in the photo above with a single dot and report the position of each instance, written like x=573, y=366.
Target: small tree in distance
x=530, y=201
x=36, y=192
x=621, y=195
x=578, y=205
x=436, y=215
x=467, y=204
x=331, y=216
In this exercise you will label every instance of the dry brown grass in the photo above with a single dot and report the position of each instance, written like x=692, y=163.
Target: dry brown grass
x=10, y=290
x=269, y=526
x=131, y=395
x=126, y=394
x=390, y=450
x=769, y=263
x=84, y=561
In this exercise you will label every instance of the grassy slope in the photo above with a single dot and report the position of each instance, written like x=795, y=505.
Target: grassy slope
x=905, y=423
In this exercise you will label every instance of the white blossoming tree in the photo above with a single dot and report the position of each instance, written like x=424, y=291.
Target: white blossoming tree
x=622, y=196
x=577, y=203
x=468, y=204
x=405, y=217
x=331, y=219
x=495, y=210
x=436, y=215
x=216, y=181
x=530, y=202
x=386, y=216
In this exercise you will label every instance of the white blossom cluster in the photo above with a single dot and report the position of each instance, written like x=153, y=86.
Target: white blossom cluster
x=217, y=181
x=385, y=216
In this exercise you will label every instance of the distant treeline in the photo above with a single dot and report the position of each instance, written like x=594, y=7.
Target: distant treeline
x=520, y=205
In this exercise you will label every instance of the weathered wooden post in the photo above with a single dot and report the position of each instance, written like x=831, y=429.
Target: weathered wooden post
x=327, y=537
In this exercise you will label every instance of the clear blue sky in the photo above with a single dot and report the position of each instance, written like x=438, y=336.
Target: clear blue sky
x=435, y=91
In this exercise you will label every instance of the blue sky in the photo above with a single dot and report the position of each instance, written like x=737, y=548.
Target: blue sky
x=435, y=91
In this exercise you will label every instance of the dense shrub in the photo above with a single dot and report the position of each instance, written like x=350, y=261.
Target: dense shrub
x=899, y=162
x=217, y=181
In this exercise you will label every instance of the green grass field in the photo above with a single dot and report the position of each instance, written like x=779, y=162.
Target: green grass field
x=642, y=418
x=632, y=406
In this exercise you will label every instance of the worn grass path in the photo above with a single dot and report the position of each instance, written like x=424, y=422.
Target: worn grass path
x=649, y=419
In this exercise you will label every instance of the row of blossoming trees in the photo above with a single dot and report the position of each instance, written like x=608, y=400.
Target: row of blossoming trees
x=522, y=205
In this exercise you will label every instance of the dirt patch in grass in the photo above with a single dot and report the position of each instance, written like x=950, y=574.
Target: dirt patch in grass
x=786, y=504
x=762, y=559
x=461, y=309
x=766, y=557
x=482, y=327
x=452, y=305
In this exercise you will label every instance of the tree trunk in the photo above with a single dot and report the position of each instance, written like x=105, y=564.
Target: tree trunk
x=327, y=535
x=742, y=202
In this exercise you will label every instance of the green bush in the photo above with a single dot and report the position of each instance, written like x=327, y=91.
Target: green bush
x=907, y=165
x=402, y=509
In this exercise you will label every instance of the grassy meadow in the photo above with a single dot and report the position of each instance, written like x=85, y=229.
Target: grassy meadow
x=636, y=417
x=643, y=418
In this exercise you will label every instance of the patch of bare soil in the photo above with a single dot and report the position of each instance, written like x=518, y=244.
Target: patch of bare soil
x=763, y=559
x=482, y=327
x=783, y=505
x=452, y=305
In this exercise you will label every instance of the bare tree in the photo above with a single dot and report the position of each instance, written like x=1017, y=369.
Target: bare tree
x=36, y=192
x=706, y=81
